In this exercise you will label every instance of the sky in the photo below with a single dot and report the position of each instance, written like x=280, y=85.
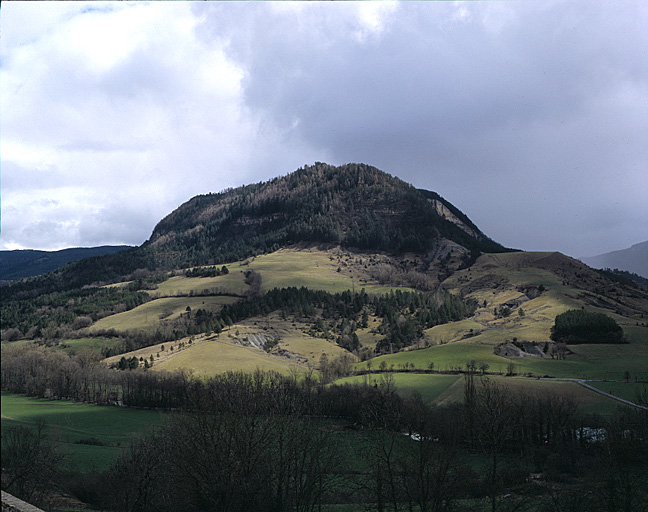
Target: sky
x=529, y=116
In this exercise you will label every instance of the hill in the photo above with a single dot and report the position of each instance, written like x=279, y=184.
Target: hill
x=354, y=206
x=254, y=300
x=633, y=259
x=27, y=263
x=325, y=262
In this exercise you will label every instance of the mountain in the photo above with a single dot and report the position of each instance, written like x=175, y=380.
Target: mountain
x=27, y=263
x=633, y=259
x=353, y=206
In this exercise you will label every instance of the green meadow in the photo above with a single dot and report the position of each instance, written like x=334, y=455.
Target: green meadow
x=94, y=344
x=429, y=386
x=628, y=390
x=440, y=389
x=69, y=422
x=586, y=362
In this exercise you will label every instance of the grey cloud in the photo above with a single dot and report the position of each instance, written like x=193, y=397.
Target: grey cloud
x=522, y=125
x=14, y=176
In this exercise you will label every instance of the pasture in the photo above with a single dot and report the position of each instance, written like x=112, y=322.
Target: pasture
x=440, y=389
x=312, y=268
x=633, y=391
x=151, y=314
x=217, y=355
x=71, y=422
x=295, y=351
x=429, y=386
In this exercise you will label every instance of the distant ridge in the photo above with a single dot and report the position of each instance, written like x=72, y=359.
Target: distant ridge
x=28, y=263
x=633, y=259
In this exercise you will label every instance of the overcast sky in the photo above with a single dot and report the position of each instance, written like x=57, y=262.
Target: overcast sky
x=530, y=117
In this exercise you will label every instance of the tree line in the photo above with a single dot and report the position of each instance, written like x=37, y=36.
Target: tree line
x=31, y=316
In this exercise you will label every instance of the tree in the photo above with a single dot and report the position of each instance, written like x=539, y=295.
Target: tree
x=494, y=420
x=30, y=462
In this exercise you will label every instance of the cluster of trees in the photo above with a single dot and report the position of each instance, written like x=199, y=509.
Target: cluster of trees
x=579, y=326
x=31, y=462
x=37, y=371
x=406, y=314
x=211, y=271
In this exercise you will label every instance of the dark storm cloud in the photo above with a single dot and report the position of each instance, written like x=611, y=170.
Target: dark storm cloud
x=522, y=114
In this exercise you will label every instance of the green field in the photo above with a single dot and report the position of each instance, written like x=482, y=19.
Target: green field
x=628, y=390
x=94, y=344
x=446, y=389
x=70, y=422
x=430, y=387
x=587, y=361
x=588, y=401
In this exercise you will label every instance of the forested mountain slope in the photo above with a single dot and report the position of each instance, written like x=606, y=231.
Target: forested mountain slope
x=354, y=206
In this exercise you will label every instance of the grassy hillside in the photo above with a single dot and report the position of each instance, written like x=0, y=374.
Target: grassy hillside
x=152, y=313
x=516, y=295
x=542, y=285
x=534, y=287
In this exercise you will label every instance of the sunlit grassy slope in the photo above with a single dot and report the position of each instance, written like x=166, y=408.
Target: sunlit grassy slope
x=499, y=279
x=150, y=314
x=493, y=281
x=232, y=350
